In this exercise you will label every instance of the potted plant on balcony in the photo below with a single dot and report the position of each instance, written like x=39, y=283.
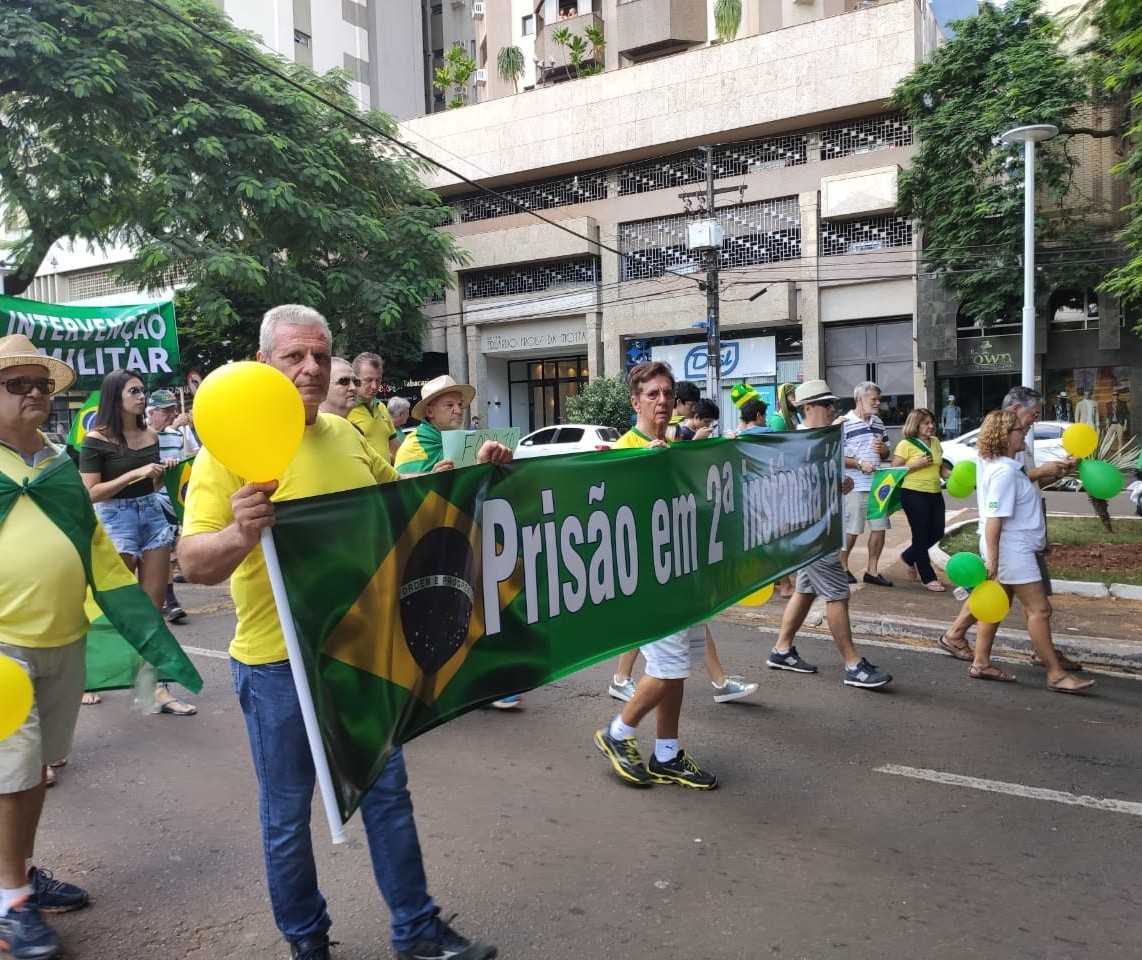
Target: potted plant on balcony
x=727, y=18
x=454, y=75
x=509, y=65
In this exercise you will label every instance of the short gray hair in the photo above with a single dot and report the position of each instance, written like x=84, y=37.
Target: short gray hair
x=397, y=405
x=291, y=314
x=333, y=360
x=865, y=386
x=1021, y=396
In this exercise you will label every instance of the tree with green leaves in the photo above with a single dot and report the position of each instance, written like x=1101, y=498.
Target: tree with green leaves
x=604, y=401
x=1004, y=68
x=122, y=125
x=454, y=76
x=510, y=65
x=727, y=19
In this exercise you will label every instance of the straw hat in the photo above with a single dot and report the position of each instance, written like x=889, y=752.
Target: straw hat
x=440, y=385
x=18, y=351
x=812, y=391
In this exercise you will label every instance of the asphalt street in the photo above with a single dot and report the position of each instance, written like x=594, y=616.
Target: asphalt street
x=942, y=818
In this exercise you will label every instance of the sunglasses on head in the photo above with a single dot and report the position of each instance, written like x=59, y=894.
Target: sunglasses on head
x=345, y=381
x=22, y=386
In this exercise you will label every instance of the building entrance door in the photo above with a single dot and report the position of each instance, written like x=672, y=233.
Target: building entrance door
x=880, y=352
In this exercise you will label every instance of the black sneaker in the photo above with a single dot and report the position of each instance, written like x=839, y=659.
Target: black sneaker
x=683, y=770
x=849, y=576
x=448, y=945
x=864, y=674
x=624, y=757
x=790, y=660
x=173, y=612
x=25, y=935
x=313, y=947
x=878, y=579
x=52, y=895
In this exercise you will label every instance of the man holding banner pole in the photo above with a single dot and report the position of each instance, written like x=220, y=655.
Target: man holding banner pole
x=661, y=686
x=825, y=578
x=225, y=517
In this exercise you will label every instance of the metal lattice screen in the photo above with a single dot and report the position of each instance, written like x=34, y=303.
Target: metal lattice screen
x=864, y=235
x=531, y=278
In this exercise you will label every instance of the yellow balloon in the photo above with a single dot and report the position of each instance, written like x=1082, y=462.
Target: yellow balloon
x=1080, y=440
x=758, y=597
x=250, y=417
x=15, y=697
x=988, y=602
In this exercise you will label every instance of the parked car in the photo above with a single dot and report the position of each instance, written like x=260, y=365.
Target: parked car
x=1048, y=444
x=566, y=438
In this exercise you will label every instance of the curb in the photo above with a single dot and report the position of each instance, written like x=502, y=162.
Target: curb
x=1078, y=588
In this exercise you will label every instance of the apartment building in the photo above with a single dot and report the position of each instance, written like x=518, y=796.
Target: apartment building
x=816, y=270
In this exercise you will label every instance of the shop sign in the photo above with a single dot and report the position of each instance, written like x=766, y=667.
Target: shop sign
x=752, y=357
x=1000, y=354
x=528, y=337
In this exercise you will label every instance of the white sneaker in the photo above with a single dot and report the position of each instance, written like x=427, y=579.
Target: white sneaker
x=621, y=689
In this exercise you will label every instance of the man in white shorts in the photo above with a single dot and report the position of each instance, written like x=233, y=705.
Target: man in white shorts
x=865, y=451
x=825, y=578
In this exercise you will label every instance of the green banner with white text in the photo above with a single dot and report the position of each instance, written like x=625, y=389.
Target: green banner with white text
x=97, y=340
x=418, y=600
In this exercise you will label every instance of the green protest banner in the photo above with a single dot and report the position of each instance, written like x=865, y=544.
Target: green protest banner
x=419, y=600
x=97, y=340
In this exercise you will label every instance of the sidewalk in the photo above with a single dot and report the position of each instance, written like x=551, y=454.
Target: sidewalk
x=1102, y=631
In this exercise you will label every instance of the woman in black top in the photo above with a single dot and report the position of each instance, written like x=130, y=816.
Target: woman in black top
x=120, y=466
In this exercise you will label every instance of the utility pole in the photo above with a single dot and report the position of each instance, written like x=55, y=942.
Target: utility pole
x=713, y=304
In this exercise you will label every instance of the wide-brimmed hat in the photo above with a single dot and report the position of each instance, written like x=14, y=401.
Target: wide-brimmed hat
x=162, y=400
x=17, y=351
x=440, y=385
x=812, y=391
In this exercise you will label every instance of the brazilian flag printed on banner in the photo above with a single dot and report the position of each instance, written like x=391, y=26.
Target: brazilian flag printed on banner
x=84, y=418
x=884, y=497
x=175, y=482
x=417, y=601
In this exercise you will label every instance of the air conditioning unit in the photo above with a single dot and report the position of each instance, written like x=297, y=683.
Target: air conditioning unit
x=481, y=75
x=477, y=9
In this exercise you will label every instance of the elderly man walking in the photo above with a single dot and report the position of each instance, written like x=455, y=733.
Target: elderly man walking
x=225, y=517
x=866, y=449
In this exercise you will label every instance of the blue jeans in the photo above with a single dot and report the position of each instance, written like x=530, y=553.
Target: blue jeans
x=286, y=780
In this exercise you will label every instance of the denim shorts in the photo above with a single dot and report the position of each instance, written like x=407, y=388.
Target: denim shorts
x=136, y=525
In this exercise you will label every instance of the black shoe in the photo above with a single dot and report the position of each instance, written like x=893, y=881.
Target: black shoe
x=25, y=935
x=313, y=947
x=849, y=576
x=173, y=612
x=877, y=578
x=448, y=945
x=52, y=895
x=683, y=770
x=624, y=757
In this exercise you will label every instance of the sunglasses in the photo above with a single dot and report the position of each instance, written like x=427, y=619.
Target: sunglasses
x=345, y=381
x=136, y=392
x=22, y=386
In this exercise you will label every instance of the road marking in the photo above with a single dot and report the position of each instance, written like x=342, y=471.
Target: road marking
x=1014, y=789
x=204, y=652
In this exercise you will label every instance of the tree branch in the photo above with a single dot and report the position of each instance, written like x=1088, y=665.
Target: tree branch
x=1092, y=132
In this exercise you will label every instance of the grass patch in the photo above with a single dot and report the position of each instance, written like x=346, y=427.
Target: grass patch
x=1080, y=549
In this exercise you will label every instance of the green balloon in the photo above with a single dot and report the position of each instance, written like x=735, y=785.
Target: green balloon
x=966, y=570
x=958, y=489
x=1100, y=479
x=964, y=473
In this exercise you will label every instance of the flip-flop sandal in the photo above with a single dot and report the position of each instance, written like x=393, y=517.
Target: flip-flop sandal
x=59, y=763
x=991, y=672
x=178, y=708
x=960, y=653
x=935, y=586
x=91, y=699
x=1070, y=685
x=1071, y=666
x=911, y=572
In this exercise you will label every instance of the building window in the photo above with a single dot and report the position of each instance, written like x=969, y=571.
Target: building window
x=863, y=236
x=533, y=278
x=1073, y=309
x=527, y=25
x=302, y=39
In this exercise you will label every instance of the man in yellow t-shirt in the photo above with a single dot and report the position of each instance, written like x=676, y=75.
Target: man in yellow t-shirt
x=43, y=628
x=225, y=517
x=660, y=688
x=370, y=415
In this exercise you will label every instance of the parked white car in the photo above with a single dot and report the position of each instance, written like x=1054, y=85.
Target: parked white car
x=566, y=438
x=1048, y=436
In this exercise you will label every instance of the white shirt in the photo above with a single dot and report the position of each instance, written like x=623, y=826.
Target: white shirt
x=1005, y=491
x=860, y=437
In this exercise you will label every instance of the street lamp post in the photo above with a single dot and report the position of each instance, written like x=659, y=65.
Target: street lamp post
x=1029, y=136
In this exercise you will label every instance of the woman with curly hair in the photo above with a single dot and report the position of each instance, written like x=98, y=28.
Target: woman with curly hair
x=1012, y=540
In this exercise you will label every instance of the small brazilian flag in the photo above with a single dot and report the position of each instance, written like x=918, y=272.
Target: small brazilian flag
x=884, y=498
x=175, y=482
x=84, y=418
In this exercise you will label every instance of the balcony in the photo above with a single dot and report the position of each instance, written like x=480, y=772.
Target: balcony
x=654, y=28
x=554, y=59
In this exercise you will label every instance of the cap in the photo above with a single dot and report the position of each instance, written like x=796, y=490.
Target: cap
x=951, y=398
x=812, y=391
x=162, y=399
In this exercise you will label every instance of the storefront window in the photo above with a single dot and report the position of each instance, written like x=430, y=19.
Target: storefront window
x=541, y=387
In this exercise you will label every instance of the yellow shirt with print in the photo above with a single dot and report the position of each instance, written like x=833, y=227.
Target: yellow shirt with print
x=332, y=457
x=41, y=603
x=374, y=422
x=925, y=479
